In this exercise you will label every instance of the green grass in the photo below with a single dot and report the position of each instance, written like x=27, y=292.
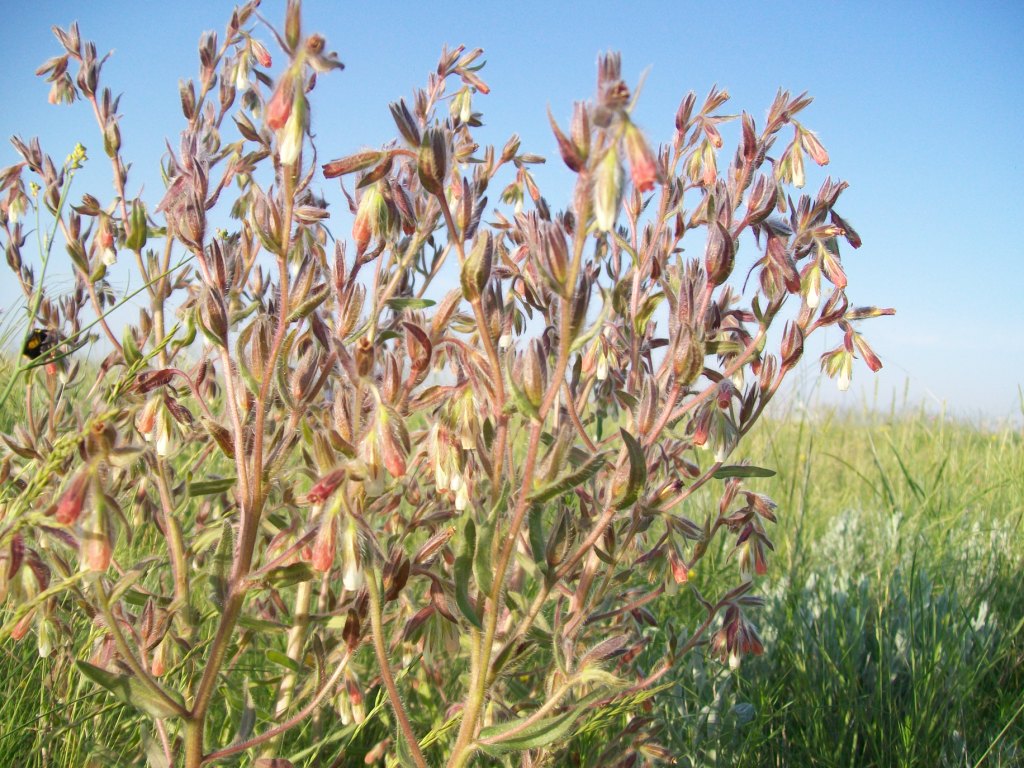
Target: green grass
x=893, y=624
x=893, y=627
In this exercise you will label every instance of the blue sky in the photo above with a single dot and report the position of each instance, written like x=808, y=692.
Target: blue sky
x=919, y=105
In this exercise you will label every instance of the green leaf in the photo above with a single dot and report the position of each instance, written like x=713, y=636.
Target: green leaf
x=538, y=541
x=545, y=731
x=155, y=757
x=283, y=660
x=570, y=481
x=307, y=306
x=637, y=471
x=287, y=575
x=247, y=719
x=598, y=325
x=463, y=572
x=644, y=315
x=262, y=625
x=520, y=402
x=132, y=354
x=408, y=302
x=221, y=565
x=130, y=690
x=482, y=564
x=742, y=470
x=211, y=487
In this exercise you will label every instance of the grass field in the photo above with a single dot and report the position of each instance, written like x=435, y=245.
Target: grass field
x=894, y=625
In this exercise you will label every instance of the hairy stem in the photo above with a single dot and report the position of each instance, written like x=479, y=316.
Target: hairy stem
x=379, y=647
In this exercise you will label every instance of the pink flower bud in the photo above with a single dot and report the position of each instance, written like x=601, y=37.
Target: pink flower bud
x=325, y=487
x=69, y=508
x=643, y=166
x=260, y=52
x=279, y=108
x=324, y=546
x=96, y=552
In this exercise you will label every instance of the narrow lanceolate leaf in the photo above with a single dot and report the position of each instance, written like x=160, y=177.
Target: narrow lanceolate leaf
x=637, y=471
x=538, y=541
x=483, y=566
x=463, y=575
x=569, y=481
x=211, y=487
x=742, y=470
x=221, y=565
x=287, y=575
x=247, y=720
x=409, y=302
x=283, y=660
x=132, y=691
x=545, y=731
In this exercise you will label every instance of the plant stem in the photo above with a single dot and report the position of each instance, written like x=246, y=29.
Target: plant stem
x=126, y=652
x=376, y=624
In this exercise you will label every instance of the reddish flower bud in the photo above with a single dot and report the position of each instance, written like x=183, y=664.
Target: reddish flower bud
x=643, y=166
x=680, y=573
x=327, y=485
x=69, y=508
x=260, y=52
x=279, y=108
x=324, y=546
x=867, y=353
x=813, y=147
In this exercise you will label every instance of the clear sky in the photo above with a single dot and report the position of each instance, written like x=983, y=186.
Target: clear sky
x=919, y=104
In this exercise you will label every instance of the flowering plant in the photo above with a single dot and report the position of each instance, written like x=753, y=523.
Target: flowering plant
x=469, y=498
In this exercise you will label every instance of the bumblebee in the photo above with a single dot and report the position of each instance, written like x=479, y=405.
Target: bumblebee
x=39, y=342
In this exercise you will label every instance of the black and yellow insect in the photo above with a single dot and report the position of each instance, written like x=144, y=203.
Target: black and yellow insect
x=39, y=342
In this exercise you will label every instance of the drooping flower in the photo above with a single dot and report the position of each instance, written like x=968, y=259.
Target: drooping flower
x=608, y=190
x=643, y=166
x=279, y=108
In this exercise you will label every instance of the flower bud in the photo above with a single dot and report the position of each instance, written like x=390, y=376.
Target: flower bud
x=867, y=353
x=813, y=147
x=290, y=137
x=719, y=253
x=69, y=508
x=95, y=547
x=242, y=72
x=359, y=161
x=838, y=365
x=643, y=166
x=811, y=285
x=324, y=487
x=570, y=154
x=608, y=190
x=371, y=218
x=112, y=138
x=766, y=376
x=259, y=50
x=510, y=149
x=279, y=108
x=432, y=161
x=293, y=24
x=44, y=637
x=792, y=344
x=394, y=440
x=324, y=545
x=535, y=373
x=580, y=129
x=352, y=573
x=476, y=270
x=688, y=360
x=364, y=356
